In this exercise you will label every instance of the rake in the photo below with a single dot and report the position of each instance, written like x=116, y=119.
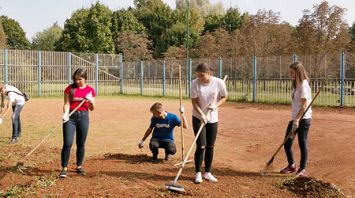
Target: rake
x=20, y=164
x=173, y=186
x=290, y=135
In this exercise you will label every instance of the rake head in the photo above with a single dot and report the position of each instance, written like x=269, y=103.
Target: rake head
x=268, y=164
x=175, y=188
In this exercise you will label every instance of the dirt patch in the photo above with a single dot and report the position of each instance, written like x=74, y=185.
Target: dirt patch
x=247, y=137
x=311, y=187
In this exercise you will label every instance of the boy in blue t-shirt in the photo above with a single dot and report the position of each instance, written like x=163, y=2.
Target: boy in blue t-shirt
x=162, y=125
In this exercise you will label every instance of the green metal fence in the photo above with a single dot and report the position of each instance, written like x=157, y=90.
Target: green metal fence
x=250, y=79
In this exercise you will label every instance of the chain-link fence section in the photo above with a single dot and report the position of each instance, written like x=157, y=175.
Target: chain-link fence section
x=258, y=79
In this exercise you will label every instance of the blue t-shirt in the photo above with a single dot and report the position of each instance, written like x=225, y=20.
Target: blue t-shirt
x=164, y=128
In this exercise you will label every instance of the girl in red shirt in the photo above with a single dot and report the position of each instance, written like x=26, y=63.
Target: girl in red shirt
x=78, y=121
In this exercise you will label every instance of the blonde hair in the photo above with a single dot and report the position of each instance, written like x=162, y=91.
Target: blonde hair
x=300, y=74
x=156, y=107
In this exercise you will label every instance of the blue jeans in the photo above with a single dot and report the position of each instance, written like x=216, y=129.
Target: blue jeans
x=16, y=122
x=79, y=121
x=302, y=132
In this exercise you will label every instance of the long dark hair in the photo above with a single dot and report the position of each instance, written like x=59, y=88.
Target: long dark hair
x=81, y=73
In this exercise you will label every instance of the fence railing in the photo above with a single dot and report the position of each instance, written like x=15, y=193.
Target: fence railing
x=250, y=79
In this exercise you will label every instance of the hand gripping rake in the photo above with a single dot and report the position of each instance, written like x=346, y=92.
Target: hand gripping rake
x=20, y=164
x=291, y=134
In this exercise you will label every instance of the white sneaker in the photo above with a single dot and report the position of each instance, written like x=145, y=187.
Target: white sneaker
x=209, y=177
x=198, y=178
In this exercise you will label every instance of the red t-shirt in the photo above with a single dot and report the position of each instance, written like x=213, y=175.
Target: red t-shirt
x=79, y=95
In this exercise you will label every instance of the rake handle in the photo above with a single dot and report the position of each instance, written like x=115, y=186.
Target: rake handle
x=44, y=139
x=193, y=144
x=181, y=116
x=189, y=152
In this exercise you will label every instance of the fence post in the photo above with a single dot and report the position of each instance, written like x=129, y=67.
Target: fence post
x=220, y=63
x=164, y=78
x=5, y=66
x=134, y=71
x=254, y=79
x=342, y=79
x=69, y=67
x=141, y=77
x=97, y=75
x=39, y=72
x=120, y=60
x=189, y=71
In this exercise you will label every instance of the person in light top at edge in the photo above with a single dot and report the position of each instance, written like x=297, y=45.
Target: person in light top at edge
x=301, y=98
x=207, y=93
x=79, y=121
x=16, y=100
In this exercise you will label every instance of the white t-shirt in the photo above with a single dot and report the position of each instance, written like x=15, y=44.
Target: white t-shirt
x=14, y=97
x=304, y=91
x=208, y=94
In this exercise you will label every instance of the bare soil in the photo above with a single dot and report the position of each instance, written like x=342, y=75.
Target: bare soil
x=248, y=136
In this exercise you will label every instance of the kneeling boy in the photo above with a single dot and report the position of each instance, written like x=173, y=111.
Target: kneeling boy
x=162, y=124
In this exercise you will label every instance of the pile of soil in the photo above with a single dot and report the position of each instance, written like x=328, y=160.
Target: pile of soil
x=311, y=187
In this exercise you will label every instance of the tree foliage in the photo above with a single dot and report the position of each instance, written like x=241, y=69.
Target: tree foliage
x=88, y=30
x=204, y=7
x=125, y=20
x=322, y=31
x=263, y=35
x=133, y=46
x=2, y=36
x=47, y=39
x=156, y=16
x=16, y=37
x=214, y=44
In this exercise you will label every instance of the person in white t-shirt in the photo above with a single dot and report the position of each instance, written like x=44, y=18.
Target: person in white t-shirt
x=16, y=100
x=301, y=98
x=207, y=93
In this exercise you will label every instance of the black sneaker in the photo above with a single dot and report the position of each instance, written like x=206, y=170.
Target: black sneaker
x=154, y=160
x=80, y=171
x=63, y=174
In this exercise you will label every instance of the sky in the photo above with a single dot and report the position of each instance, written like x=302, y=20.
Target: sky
x=37, y=15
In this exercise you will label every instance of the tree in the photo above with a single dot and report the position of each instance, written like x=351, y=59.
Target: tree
x=133, y=46
x=233, y=20
x=213, y=22
x=157, y=17
x=352, y=32
x=88, y=30
x=124, y=20
x=98, y=29
x=174, y=52
x=263, y=35
x=204, y=7
x=176, y=35
x=47, y=39
x=2, y=36
x=215, y=44
x=16, y=37
x=322, y=31
x=352, y=43
x=74, y=34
